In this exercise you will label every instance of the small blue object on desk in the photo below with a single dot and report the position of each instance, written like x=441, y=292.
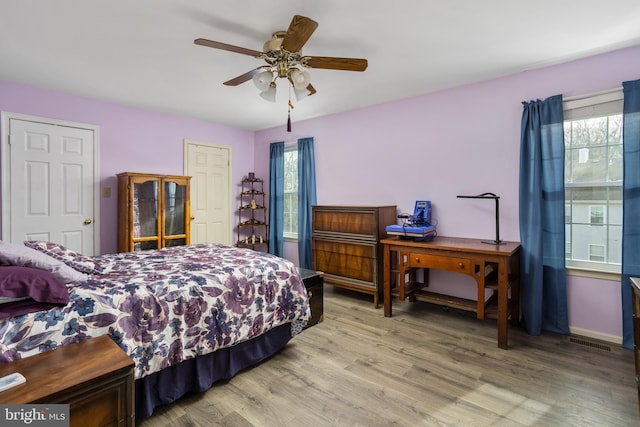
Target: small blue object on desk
x=420, y=233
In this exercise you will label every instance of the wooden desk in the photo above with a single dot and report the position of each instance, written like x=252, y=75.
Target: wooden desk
x=494, y=267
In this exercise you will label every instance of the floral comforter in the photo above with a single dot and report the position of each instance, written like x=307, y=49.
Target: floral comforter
x=165, y=306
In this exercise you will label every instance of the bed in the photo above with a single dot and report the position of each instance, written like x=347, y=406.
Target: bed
x=188, y=316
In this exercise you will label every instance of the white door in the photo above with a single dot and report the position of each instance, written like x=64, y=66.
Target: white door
x=210, y=167
x=50, y=184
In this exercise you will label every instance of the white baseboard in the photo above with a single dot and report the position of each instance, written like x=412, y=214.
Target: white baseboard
x=595, y=335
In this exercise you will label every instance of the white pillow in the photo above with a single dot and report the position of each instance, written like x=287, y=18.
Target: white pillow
x=20, y=255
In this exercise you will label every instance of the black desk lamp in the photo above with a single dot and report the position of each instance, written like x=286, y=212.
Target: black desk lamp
x=496, y=198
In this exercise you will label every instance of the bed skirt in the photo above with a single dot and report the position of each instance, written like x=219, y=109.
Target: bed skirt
x=200, y=373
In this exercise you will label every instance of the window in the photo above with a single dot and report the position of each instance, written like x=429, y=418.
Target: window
x=596, y=253
x=291, y=190
x=593, y=182
x=596, y=215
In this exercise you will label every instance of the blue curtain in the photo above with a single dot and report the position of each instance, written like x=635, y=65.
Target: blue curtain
x=630, y=204
x=542, y=231
x=306, y=199
x=276, y=198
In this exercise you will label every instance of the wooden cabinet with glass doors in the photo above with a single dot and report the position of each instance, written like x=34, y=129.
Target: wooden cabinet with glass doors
x=153, y=211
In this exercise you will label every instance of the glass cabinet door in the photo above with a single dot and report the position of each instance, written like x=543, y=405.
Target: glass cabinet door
x=145, y=215
x=175, y=199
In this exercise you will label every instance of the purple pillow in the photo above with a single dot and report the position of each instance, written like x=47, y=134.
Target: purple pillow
x=42, y=289
x=22, y=256
x=73, y=259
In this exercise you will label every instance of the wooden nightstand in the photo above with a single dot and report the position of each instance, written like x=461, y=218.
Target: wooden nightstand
x=314, y=283
x=95, y=377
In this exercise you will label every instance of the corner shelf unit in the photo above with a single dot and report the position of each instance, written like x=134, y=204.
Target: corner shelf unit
x=253, y=230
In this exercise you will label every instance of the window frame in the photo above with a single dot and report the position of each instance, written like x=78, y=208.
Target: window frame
x=290, y=146
x=601, y=104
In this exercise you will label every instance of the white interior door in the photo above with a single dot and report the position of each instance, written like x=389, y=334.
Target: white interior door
x=210, y=168
x=50, y=184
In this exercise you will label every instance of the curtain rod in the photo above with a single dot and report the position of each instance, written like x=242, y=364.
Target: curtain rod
x=592, y=94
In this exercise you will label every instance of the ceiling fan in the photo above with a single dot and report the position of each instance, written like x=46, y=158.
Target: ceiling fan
x=284, y=59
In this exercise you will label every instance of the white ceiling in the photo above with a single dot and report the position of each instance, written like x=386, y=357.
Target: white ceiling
x=141, y=52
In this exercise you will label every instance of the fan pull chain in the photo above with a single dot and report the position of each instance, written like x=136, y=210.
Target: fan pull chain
x=289, y=111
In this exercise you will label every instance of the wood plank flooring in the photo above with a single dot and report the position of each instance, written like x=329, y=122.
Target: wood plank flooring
x=425, y=366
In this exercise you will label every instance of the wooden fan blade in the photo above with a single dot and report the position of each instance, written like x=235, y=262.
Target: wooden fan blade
x=311, y=90
x=243, y=78
x=229, y=47
x=298, y=33
x=332, y=63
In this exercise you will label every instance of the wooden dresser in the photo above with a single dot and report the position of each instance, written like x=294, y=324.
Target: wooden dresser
x=95, y=377
x=346, y=245
x=635, y=286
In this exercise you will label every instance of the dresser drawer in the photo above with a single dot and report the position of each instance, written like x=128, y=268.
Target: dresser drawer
x=346, y=259
x=362, y=223
x=460, y=265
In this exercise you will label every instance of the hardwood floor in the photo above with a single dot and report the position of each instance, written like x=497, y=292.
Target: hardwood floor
x=423, y=367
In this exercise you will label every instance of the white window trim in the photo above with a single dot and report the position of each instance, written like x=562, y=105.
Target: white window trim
x=593, y=105
x=593, y=274
x=584, y=106
x=290, y=146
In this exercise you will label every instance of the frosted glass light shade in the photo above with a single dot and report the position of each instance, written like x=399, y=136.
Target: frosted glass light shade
x=263, y=80
x=300, y=79
x=301, y=93
x=270, y=93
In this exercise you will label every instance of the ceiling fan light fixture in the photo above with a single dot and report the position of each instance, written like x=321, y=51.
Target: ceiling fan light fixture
x=300, y=79
x=301, y=93
x=270, y=93
x=263, y=80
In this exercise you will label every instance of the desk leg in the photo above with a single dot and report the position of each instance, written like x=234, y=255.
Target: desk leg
x=515, y=288
x=387, y=280
x=503, y=302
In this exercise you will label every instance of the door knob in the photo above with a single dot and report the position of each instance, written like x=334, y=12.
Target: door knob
x=87, y=221
x=192, y=218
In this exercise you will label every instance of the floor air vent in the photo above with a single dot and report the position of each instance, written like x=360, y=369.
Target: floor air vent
x=587, y=343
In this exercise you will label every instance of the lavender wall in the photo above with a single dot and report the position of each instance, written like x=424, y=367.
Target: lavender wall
x=459, y=141
x=130, y=140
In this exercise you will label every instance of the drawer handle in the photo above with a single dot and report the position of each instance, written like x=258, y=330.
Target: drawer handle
x=417, y=260
x=461, y=265
x=310, y=294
